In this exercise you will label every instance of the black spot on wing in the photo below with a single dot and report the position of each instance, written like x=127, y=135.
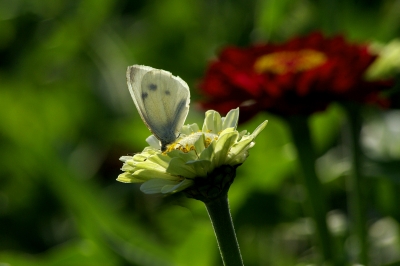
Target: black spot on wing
x=152, y=87
x=167, y=92
x=144, y=95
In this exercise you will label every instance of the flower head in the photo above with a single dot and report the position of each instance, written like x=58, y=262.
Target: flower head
x=300, y=76
x=195, y=155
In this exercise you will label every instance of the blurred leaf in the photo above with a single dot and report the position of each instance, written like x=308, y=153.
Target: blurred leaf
x=383, y=169
x=325, y=127
x=84, y=252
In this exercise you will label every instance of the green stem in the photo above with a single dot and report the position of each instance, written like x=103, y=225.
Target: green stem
x=356, y=190
x=221, y=219
x=316, y=202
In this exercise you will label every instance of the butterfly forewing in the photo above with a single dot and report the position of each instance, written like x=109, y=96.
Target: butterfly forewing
x=161, y=99
x=134, y=76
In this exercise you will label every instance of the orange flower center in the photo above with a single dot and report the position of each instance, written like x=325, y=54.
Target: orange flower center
x=289, y=61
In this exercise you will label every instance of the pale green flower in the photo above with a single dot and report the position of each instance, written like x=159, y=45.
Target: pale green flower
x=387, y=65
x=195, y=154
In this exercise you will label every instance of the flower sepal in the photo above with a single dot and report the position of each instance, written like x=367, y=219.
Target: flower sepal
x=214, y=186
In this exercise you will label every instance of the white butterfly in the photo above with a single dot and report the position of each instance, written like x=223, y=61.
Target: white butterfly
x=161, y=99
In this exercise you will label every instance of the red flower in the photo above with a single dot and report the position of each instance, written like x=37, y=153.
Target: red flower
x=300, y=76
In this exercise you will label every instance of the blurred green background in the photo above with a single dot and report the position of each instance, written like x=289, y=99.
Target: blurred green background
x=66, y=116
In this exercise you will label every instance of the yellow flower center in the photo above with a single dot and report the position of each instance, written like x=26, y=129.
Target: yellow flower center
x=186, y=143
x=289, y=61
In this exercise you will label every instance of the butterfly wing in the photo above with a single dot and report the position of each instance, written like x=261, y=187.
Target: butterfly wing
x=162, y=100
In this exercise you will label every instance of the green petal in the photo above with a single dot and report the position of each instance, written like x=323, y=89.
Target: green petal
x=222, y=147
x=259, y=128
x=242, y=133
x=153, y=142
x=194, y=127
x=199, y=144
x=231, y=119
x=189, y=129
x=212, y=122
x=186, y=156
x=160, y=159
x=128, y=178
x=139, y=158
x=150, y=151
x=237, y=150
x=239, y=146
x=178, y=187
x=178, y=167
x=239, y=158
x=156, y=185
x=125, y=158
x=128, y=168
x=151, y=166
x=208, y=153
x=201, y=167
x=146, y=174
x=227, y=130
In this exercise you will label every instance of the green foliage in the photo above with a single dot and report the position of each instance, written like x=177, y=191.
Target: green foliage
x=66, y=116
